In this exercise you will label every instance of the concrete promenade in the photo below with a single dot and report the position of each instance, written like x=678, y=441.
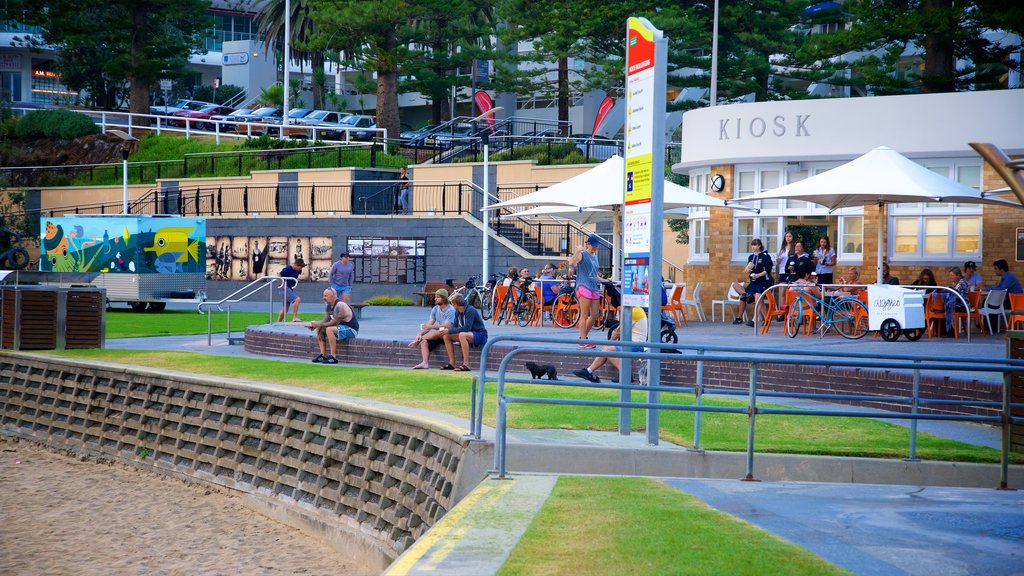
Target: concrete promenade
x=866, y=528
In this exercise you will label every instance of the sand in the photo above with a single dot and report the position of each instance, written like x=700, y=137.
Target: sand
x=60, y=514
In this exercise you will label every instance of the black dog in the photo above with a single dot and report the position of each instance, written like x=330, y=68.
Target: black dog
x=538, y=371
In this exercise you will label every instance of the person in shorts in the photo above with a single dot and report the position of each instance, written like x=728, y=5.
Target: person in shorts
x=588, y=290
x=469, y=330
x=431, y=335
x=760, y=278
x=341, y=275
x=339, y=323
x=288, y=295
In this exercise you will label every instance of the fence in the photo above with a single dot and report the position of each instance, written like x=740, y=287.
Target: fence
x=755, y=360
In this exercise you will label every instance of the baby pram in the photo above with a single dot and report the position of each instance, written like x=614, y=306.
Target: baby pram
x=668, y=326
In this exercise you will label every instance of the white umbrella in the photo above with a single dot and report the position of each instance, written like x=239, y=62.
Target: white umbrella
x=882, y=176
x=596, y=195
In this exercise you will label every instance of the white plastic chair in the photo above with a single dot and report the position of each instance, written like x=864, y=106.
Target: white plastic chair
x=731, y=299
x=695, y=302
x=994, y=306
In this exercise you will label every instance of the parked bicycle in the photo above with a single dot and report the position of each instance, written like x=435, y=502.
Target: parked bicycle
x=518, y=304
x=847, y=314
x=479, y=297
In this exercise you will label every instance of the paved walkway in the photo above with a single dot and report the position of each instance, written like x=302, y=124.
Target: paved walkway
x=868, y=529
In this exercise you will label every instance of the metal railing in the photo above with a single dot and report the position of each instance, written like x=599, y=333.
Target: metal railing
x=268, y=283
x=740, y=355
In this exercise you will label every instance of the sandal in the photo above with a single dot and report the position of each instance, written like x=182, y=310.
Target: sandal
x=420, y=366
x=447, y=367
x=463, y=368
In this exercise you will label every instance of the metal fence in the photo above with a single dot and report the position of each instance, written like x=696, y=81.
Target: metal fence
x=754, y=360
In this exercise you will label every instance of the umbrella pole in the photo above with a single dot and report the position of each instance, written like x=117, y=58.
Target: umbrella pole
x=882, y=220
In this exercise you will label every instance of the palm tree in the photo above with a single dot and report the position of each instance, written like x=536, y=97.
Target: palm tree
x=270, y=23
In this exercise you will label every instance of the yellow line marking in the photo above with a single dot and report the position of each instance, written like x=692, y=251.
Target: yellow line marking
x=452, y=541
x=439, y=531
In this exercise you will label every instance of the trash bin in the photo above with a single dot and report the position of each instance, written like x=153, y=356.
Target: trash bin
x=51, y=318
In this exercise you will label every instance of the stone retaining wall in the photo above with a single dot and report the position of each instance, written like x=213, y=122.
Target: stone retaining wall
x=772, y=377
x=366, y=481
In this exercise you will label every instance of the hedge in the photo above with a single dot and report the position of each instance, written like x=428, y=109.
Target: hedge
x=59, y=123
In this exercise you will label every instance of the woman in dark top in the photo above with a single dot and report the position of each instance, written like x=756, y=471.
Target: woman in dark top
x=926, y=278
x=799, y=263
x=760, y=278
x=469, y=330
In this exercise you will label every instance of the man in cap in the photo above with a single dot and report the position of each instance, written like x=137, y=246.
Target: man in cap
x=291, y=280
x=431, y=334
x=971, y=276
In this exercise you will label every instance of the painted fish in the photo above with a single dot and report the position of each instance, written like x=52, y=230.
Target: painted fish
x=168, y=263
x=175, y=240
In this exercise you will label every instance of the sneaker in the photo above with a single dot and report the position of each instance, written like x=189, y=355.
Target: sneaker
x=750, y=323
x=319, y=359
x=330, y=360
x=738, y=321
x=586, y=375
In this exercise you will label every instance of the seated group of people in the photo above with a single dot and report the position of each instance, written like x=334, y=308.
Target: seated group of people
x=451, y=321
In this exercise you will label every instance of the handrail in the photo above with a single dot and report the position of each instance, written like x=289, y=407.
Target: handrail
x=246, y=291
x=741, y=355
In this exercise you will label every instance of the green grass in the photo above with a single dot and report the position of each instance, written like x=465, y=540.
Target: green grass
x=637, y=526
x=124, y=323
x=449, y=393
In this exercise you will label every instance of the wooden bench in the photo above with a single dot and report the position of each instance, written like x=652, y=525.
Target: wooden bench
x=357, y=309
x=426, y=295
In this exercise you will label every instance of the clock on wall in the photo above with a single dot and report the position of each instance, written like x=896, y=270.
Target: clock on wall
x=717, y=183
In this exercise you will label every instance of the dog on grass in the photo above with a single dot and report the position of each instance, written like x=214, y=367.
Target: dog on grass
x=538, y=371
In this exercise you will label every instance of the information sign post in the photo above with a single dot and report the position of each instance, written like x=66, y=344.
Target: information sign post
x=643, y=186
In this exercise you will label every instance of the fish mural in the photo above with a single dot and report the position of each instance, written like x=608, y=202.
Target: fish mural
x=122, y=244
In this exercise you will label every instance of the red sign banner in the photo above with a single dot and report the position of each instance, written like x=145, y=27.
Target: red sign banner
x=602, y=112
x=484, y=104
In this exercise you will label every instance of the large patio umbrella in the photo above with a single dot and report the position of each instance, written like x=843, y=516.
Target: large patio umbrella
x=880, y=177
x=596, y=195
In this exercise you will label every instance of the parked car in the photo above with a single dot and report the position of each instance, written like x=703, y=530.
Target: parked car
x=358, y=122
x=254, y=123
x=301, y=127
x=179, y=105
x=451, y=136
x=595, y=147
x=415, y=138
x=232, y=117
x=194, y=118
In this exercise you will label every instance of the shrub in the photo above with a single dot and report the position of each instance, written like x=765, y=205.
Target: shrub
x=218, y=96
x=61, y=123
x=266, y=142
x=388, y=300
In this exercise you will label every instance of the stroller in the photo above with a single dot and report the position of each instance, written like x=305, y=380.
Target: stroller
x=668, y=326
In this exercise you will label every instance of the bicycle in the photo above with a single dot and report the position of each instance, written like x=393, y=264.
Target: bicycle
x=847, y=314
x=565, y=311
x=518, y=304
x=479, y=297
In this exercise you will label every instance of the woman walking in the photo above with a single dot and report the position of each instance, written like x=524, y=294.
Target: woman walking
x=588, y=291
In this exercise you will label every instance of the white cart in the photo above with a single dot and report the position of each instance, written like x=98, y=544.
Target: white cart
x=894, y=311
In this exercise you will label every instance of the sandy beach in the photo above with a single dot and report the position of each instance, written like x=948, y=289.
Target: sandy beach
x=60, y=514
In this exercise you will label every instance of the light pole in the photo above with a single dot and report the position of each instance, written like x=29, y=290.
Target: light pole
x=287, y=49
x=485, y=140
x=714, y=58
x=124, y=187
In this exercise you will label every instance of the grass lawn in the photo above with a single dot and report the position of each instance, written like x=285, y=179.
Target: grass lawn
x=640, y=527
x=125, y=323
x=449, y=393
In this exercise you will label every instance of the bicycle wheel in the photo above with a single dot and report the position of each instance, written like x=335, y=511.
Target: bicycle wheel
x=566, y=311
x=849, y=316
x=524, y=312
x=504, y=311
x=794, y=317
x=486, y=305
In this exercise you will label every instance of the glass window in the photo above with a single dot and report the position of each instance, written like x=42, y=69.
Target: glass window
x=744, y=234
x=905, y=233
x=746, y=229
x=968, y=235
x=770, y=234
x=746, y=184
x=699, y=239
x=936, y=235
x=969, y=176
x=770, y=180
x=792, y=177
x=852, y=234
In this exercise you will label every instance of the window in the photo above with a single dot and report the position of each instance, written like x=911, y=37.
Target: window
x=699, y=239
x=851, y=234
x=389, y=260
x=937, y=230
x=746, y=229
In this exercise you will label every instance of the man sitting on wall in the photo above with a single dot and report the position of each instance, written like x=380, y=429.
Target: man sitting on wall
x=431, y=335
x=339, y=323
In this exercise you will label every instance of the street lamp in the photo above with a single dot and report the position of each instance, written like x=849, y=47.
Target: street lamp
x=124, y=188
x=714, y=58
x=485, y=140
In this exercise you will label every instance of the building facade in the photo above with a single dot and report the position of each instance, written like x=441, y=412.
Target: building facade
x=760, y=146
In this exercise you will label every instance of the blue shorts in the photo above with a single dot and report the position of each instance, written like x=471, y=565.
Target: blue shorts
x=339, y=289
x=289, y=296
x=346, y=333
x=479, y=338
x=632, y=348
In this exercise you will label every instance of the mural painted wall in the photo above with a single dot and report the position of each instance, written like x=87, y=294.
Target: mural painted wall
x=248, y=258
x=125, y=244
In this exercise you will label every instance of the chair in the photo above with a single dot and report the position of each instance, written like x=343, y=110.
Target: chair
x=1016, y=311
x=695, y=302
x=807, y=312
x=934, y=314
x=772, y=312
x=732, y=298
x=499, y=300
x=972, y=313
x=993, y=306
x=674, y=305
x=541, y=307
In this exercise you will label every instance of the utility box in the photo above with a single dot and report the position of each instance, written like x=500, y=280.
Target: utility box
x=51, y=318
x=1015, y=350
